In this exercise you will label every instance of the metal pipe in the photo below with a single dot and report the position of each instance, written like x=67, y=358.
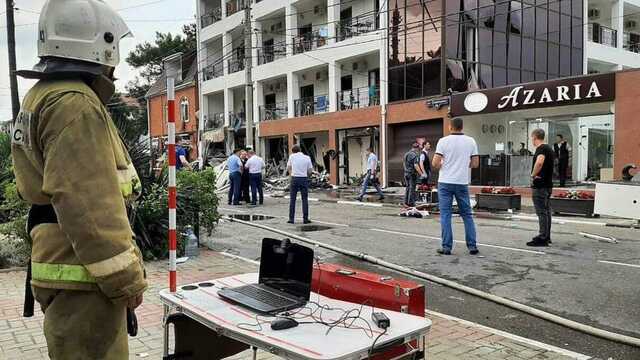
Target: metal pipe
x=604, y=334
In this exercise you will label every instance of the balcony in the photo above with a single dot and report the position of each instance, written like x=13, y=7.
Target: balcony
x=213, y=71
x=268, y=54
x=215, y=121
x=311, y=105
x=356, y=26
x=237, y=120
x=358, y=98
x=211, y=17
x=233, y=6
x=632, y=42
x=603, y=35
x=309, y=41
x=236, y=64
x=274, y=112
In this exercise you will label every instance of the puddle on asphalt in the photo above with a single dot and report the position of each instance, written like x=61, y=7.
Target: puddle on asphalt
x=311, y=228
x=249, y=217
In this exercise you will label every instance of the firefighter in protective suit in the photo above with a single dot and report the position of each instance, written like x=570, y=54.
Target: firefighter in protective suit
x=72, y=167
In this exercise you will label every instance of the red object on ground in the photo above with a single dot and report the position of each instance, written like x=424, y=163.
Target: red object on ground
x=361, y=287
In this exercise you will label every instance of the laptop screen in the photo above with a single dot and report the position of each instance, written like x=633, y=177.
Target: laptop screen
x=287, y=267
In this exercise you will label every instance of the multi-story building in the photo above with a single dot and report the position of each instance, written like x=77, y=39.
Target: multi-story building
x=612, y=35
x=338, y=76
x=187, y=100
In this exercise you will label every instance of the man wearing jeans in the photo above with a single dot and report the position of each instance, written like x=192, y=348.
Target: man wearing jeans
x=235, y=177
x=455, y=155
x=371, y=177
x=299, y=167
x=410, y=166
x=542, y=184
x=255, y=165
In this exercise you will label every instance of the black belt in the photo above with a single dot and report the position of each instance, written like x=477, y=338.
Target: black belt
x=45, y=214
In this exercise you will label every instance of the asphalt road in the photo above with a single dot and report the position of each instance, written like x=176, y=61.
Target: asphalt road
x=593, y=282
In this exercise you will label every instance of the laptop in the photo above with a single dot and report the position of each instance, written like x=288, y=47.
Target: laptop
x=284, y=282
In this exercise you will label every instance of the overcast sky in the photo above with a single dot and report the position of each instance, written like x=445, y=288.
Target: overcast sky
x=144, y=21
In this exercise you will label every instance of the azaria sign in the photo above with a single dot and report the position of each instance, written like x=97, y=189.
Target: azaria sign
x=569, y=91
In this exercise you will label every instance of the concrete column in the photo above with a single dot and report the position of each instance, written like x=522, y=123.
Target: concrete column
x=334, y=84
x=258, y=100
x=257, y=42
x=333, y=16
x=617, y=21
x=333, y=167
x=291, y=23
x=228, y=106
x=293, y=93
x=223, y=8
x=291, y=139
x=227, y=48
x=384, y=91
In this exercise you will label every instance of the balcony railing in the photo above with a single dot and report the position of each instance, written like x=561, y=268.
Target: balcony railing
x=311, y=105
x=356, y=26
x=274, y=111
x=358, y=98
x=213, y=71
x=233, y=6
x=215, y=121
x=235, y=65
x=603, y=35
x=211, y=17
x=308, y=42
x=268, y=54
x=632, y=42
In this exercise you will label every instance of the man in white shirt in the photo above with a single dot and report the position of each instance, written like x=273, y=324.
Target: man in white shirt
x=372, y=175
x=299, y=167
x=255, y=165
x=455, y=156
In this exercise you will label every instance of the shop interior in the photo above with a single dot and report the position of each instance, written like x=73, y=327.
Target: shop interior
x=352, y=156
x=506, y=151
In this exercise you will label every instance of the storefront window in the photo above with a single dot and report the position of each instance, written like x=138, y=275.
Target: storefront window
x=506, y=151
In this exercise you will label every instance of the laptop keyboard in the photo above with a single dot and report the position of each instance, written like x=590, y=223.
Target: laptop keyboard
x=264, y=296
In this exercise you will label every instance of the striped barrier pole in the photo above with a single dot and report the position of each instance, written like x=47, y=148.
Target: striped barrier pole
x=171, y=150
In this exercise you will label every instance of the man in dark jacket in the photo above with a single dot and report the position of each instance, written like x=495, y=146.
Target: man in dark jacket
x=561, y=150
x=410, y=166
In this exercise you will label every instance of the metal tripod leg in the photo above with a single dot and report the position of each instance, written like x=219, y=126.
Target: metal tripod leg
x=165, y=340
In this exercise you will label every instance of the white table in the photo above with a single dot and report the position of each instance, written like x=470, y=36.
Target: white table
x=306, y=341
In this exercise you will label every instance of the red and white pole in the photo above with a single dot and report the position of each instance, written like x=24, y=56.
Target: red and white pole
x=171, y=151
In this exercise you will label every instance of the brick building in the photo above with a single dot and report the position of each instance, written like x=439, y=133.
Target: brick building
x=186, y=102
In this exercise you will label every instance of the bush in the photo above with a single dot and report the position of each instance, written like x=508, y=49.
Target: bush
x=197, y=207
x=15, y=245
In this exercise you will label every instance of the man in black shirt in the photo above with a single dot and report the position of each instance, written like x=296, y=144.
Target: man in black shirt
x=561, y=149
x=542, y=184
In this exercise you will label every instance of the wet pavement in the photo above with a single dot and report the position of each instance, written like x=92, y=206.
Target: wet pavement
x=582, y=279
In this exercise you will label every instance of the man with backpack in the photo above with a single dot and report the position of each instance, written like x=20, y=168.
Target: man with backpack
x=410, y=166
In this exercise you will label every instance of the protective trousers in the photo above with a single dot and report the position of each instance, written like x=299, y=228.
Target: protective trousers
x=81, y=325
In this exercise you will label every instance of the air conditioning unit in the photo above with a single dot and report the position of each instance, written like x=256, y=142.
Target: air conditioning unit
x=630, y=24
x=318, y=10
x=594, y=14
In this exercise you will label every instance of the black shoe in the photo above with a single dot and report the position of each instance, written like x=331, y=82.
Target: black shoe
x=359, y=199
x=538, y=243
x=381, y=198
x=290, y=222
x=443, y=252
x=307, y=221
x=474, y=251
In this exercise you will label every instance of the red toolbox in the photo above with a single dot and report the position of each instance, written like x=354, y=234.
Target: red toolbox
x=384, y=292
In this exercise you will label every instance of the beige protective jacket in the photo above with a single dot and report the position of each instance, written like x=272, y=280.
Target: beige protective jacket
x=67, y=153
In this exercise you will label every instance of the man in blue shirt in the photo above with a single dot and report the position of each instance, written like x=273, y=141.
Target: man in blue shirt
x=181, y=158
x=235, y=177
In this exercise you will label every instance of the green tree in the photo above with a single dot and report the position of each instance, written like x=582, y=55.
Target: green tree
x=148, y=56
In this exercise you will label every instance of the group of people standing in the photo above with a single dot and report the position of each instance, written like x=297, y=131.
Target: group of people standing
x=245, y=172
x=417, y=169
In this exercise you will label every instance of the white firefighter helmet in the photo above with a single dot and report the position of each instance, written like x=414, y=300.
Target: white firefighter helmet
x=87, y=30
